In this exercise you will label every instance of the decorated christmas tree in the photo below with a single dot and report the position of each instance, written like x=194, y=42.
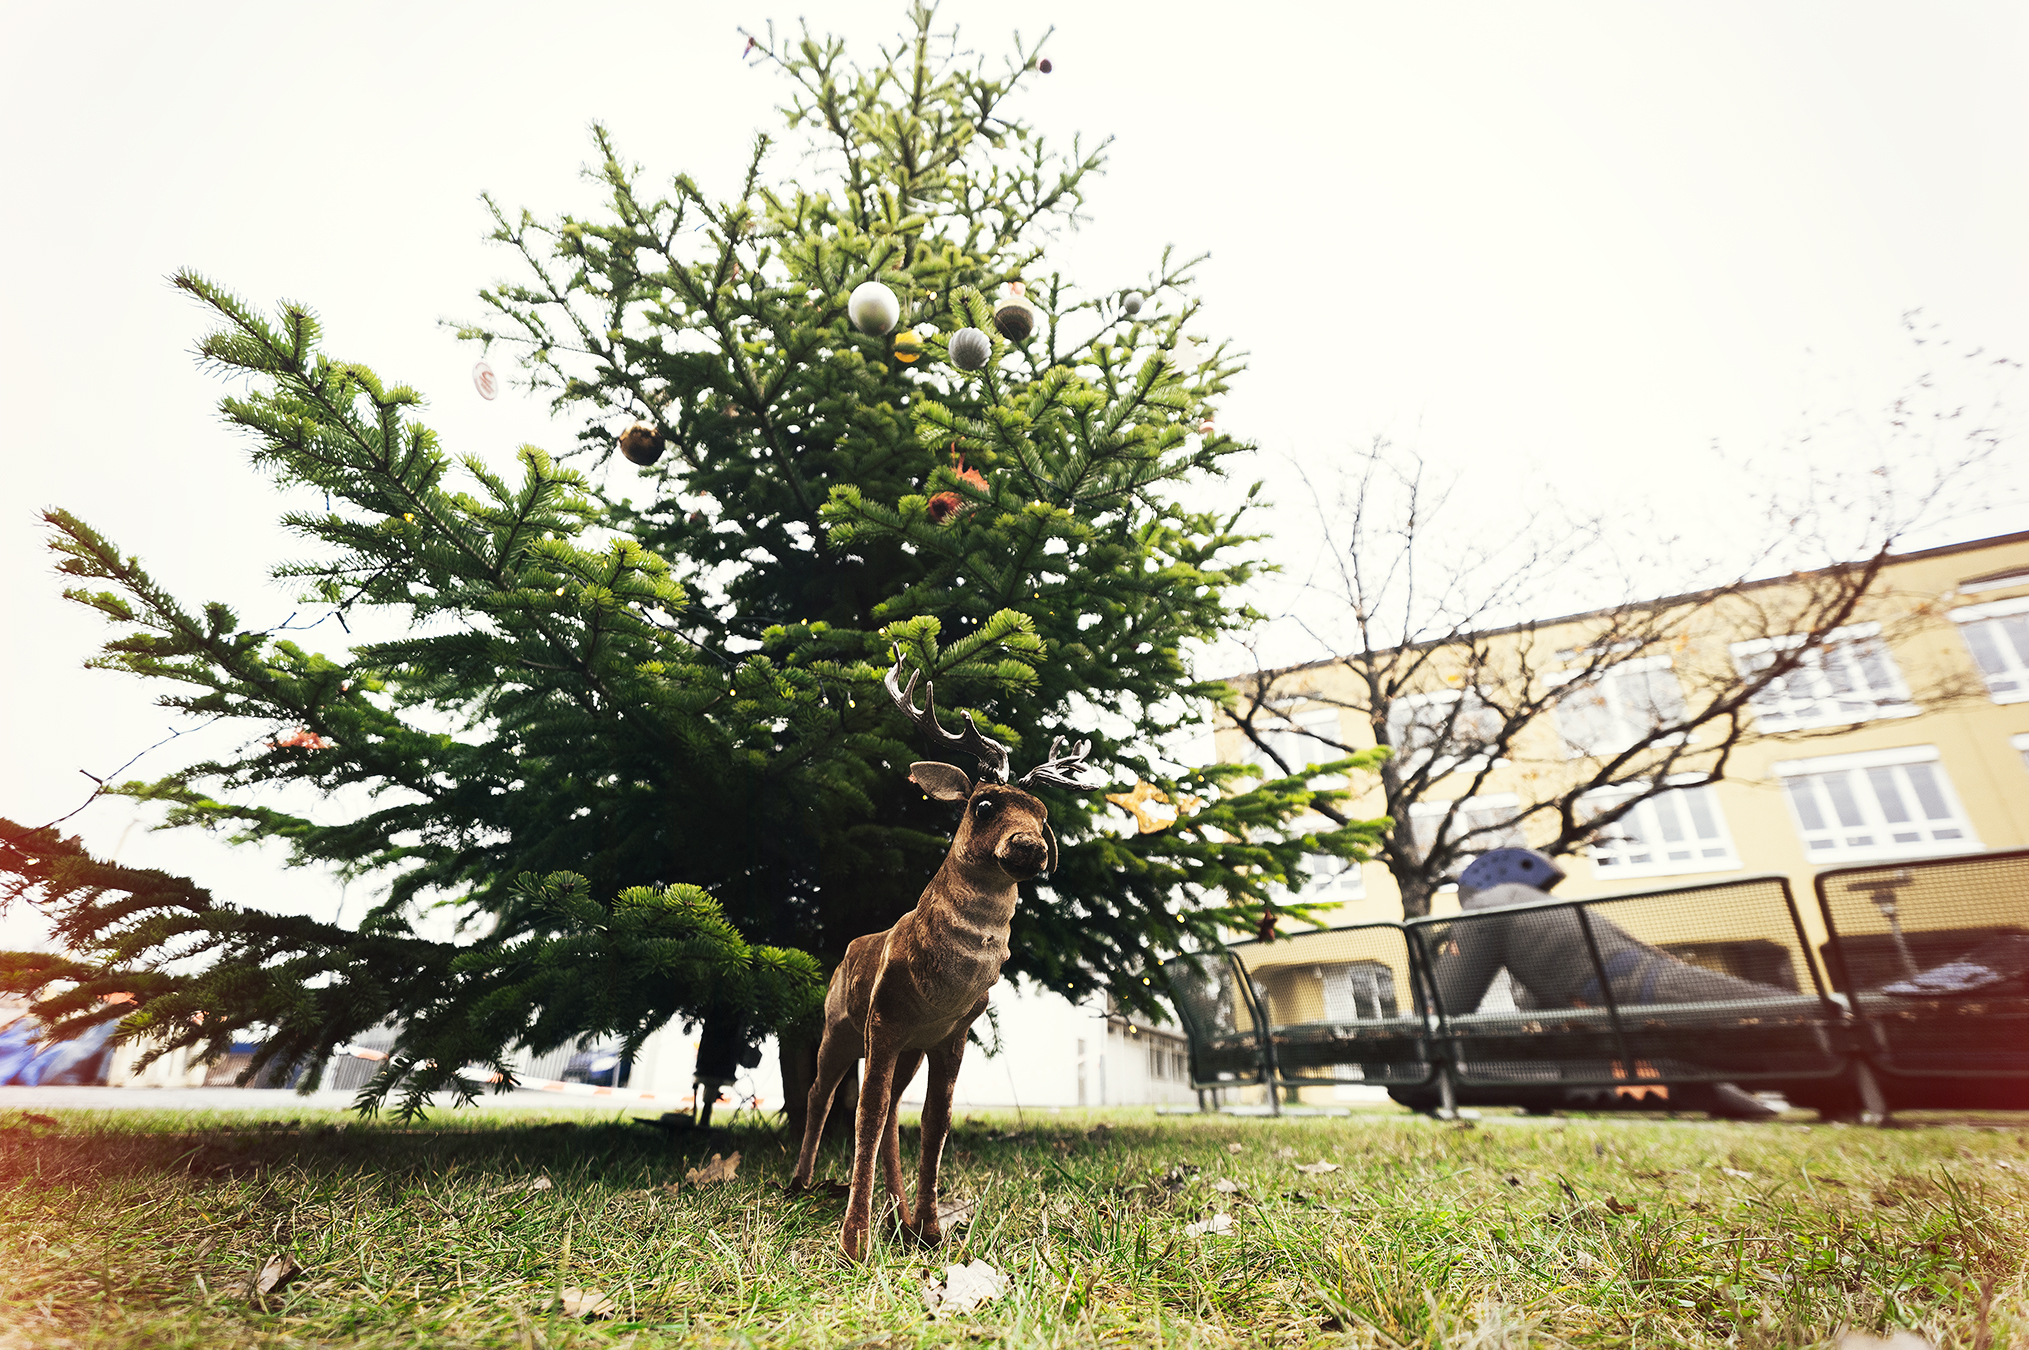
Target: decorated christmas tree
x=872, y=424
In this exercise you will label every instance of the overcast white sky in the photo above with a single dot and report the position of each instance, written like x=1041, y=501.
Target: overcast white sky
x=1574, y=244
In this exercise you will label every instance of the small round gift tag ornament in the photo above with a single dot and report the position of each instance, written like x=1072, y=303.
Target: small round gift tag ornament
x=642, y=443
x=1131, y=303
x=908, y=346
x=971, y=349
x=873, y=308
x=486, y=382
x=1014, y=316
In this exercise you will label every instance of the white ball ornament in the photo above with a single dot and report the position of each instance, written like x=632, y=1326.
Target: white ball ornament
x=970, y=349
x=1131, y=303
x=873, y=308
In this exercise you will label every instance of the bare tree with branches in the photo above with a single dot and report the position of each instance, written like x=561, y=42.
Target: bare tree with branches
x=1593, y=714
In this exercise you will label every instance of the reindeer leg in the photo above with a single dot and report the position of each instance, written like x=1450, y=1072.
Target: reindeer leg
x=906, y=1065
x=876, y=1089
x=944, y=1062
x=836, y=1054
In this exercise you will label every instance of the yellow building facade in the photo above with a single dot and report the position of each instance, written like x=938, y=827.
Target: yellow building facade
x=1908, y=737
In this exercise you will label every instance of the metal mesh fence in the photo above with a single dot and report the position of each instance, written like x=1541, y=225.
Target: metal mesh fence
x=1340, y=1005
x=1693, y=984
x=1934, y=956
x=1227, y=1045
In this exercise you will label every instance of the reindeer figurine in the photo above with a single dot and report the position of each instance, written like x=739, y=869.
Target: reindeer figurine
x=914, y=990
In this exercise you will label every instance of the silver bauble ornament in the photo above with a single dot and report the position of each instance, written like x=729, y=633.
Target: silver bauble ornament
x=970, y=349
x=1131, y=303
x=873, y=309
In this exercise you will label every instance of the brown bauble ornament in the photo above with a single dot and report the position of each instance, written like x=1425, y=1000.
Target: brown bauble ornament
x=1014, y=316
x=642, y=443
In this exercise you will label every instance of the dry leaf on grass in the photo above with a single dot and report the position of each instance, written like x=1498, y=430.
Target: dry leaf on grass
x=1614, y=1206
x=952, y=1213
x=1318, y=1168
x=1899, y=1340
x=275, y=1272
x=1736, y=1172
x=1283, y=1154
x=962, y=1289
x=1226, y=1184
x=34, y=1118
x=720, y=1168
x=1217, y=1226
x=532, y=1184
x=587, y=1303
x=1232, y=1148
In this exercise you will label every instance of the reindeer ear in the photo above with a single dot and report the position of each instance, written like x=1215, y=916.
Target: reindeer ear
x=945, y=782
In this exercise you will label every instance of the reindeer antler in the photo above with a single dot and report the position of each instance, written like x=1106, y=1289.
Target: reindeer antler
x=1061, y=770
x=990, y=753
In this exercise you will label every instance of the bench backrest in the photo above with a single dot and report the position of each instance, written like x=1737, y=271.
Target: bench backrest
x=1341, y=1005
x=1933, y=955
x=1229, y=1047
x=1692, y=983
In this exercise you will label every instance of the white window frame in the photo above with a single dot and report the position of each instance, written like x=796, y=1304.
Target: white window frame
x=1631, y=724
x=2010, y=683
x=1821, y=704
x=1286, y=735
x=2021, y=744
x=1411, y=760
x=1653, y=819
x=1995, y=582
x=1835, y=786
x=1433, y=811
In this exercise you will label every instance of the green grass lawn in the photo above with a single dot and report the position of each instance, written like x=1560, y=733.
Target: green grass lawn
x=130, y=1229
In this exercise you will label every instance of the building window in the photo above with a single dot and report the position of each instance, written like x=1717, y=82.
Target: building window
x=1288, y=739
x=1852, y=678
x=1455, y=726
x=1333, y=879
x=1682, y=830
x=1998, y=637
x=1618, y=707
x=1879, y=804
x=1495, y=814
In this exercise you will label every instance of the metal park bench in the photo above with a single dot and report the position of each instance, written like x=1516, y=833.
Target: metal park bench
x=1645, y=1001
x=1629, y=1001
x=1933, y=958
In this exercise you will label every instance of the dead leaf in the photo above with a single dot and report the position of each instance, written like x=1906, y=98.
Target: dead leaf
x=1283, y=1154
x=720, y=1168
x=1226, y=1185
x=1899, y=1340
x=822, y=1187
x=1514, y=1181
x=1099, y=1132
x=1736, y=1172
x=1217, y=1226
x=951, y=1212
x=532, y=1185
x=1887, y=1198
x=275, y=1272
x=1318, y=1168
x=587, y=1303
x=35, y=1119
x=1232, y=1148
x=1614, y=1206
x=963, y=1289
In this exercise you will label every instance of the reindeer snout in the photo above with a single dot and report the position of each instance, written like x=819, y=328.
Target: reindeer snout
x=1023, y=854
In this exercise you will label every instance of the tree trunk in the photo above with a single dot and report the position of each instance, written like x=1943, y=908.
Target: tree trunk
x=798, y=1050
x=1416, y=894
